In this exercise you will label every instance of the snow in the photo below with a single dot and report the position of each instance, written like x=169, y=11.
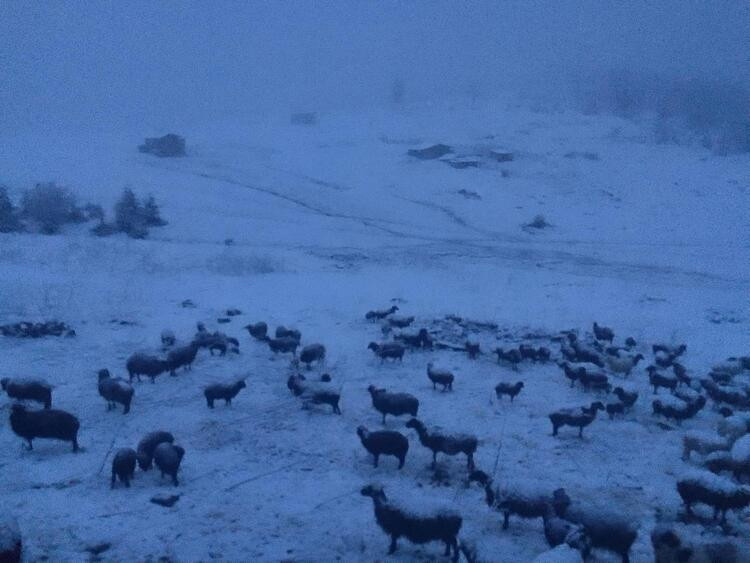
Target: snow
x=328, y=222
x=741, y=450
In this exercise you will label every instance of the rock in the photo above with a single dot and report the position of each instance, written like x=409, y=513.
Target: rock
x=10, y=540
x=233, y=312
x=98, y=548
x=170, y=145
x=164, y=499
x=188, y=304
x=26, y=329
x=463, y=163
x=430, y=153
x=223, y=320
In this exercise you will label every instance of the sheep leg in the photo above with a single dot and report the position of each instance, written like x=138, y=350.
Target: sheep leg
x=375, y=457
x=447, y=549
x=227, y=402
x=383, y=419
x=393, y=546
x=401, y=461
x=434, y=386
x=434, y=459
x=506, y=519
x=470, y=461
x=580, y=431
x=126, y=408
x=112, y=484
x=75, y=444
x=31, y=446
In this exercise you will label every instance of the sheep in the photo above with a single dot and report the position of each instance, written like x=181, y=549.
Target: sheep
x=312, y=353
x=543, y=354
x=316, y=395
x=182, y=357
x=396, y=522
x=572, y=373
x=283, y=332
x=384, y=442
x=449, y=444
x=717, y=492
x=168, y=338
x=680, y=372
x=508, y=389
x=627, y=398
x=605, y=530
x=115, y=390
x=439, y=376
x=512, y=356
x=472, y=349
x=720, y=377
x=669, y=548
x=142, y=364
x=146, y=447
x=732, y=367
x=595, y=381
x=380, y=314
x=734, y=427
x=741, y=457
x=630, y=342
x=720, y=461
x=513, y=500
x=48, y=423
x=580, y=418
x=664, y=360
x=677, y=409
x=216, y=342
x=400, y=322
x=623, y=365
x=703, y=443
x=259, y=331
x=392, y=350
x=726, y=394
x=283, y=345
x=168, y=457
x=614, y=408
x=528, y=352
x=558, y=531
x=583, y=354
x=28, y=390
x=395, y=404
x=421, y=339
x=226, y=391
x=659, y=379
x=603, y=333
x=123, y=466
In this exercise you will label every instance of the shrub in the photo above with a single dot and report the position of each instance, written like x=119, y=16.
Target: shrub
x=151, y=214
x=50, y=206
x=8, y=214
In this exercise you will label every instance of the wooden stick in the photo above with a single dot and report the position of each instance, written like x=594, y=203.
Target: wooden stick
x=112, y=445
x=259, y=476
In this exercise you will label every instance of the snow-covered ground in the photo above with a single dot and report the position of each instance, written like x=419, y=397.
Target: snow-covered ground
x=328, y=222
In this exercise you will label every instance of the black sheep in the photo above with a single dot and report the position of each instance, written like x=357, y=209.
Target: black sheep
x=603, y=333
x=143, y=364
x=512, y=356
x=718, y=493
x=508, y=389
x=395, y=404
x=627, y=398
x=449, y=444
x=396, y=522
x=578, y=418
x=259, y=331
x=384, y=442
x=392, y=350
x=380, y=314
x=673, y=351
x=182, y=357
x=312, y=353
x=283, y=332
x=48, y=423
x=614, y=408
x=147, y=445
x=225, y=391
x=313, y=393
x=681, y=374
x=168, y=457
x=610, y=531
x=123, y=466
x=115, y=390
x=28, y=390
x=286, y=345
x=400, y=322
x=678, y=410
x=595, y=381
x=472, y=349
x=657, y=379
x=572, y=373
x=528, y=352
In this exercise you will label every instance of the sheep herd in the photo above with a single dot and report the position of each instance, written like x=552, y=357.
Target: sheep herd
x=605, y=373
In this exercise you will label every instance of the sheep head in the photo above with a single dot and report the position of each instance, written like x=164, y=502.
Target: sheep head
x=373, y=491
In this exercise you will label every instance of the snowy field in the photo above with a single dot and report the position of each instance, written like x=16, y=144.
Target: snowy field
x=331, y=221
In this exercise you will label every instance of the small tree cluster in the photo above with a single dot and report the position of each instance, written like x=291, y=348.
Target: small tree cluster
x=9, y=221
x=49, y=207
x=134, y=217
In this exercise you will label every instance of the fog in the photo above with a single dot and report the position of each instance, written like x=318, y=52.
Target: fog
x=79, y=63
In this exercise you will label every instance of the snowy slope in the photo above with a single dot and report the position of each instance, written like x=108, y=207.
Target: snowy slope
x=328, y=222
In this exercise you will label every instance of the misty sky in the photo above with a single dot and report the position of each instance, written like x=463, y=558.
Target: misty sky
x=79, y=62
